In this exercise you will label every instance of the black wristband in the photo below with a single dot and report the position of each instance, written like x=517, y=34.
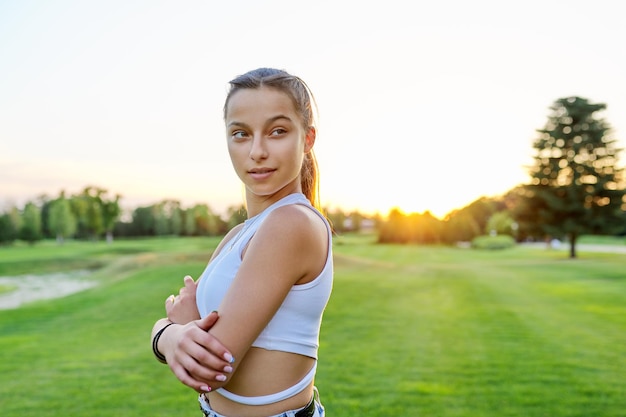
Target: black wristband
x=155, y=341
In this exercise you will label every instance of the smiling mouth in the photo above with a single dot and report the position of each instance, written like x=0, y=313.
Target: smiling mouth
x=261, y=174
x=261, y=171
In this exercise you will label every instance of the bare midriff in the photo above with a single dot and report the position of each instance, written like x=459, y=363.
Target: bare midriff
x=265, y=372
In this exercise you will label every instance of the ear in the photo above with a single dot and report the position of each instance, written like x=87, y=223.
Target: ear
x=309, y=139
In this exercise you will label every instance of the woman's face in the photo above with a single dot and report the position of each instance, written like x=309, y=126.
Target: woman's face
x=266, y=142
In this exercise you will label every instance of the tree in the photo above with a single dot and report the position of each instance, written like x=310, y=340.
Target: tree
x=575, y=187
x=236, y=215
x=501, y=223
x=515, y=202
x=463, y=225
x=167, y=218
x=189, y=222
x=395, y=229
x=61, y=220
x=110, y=209
x=161, y=219
x=10, y=223
x=207, y=222
x=31, y=224
x=176, y=220
x=95, y=212
x=354, y=221
x=143, y=221
x=337, y=219
x=44, y=202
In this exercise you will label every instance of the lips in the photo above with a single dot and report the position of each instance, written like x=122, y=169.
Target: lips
x=261, y=173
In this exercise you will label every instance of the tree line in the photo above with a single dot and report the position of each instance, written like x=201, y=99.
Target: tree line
x=576, y=187
x=94, y=214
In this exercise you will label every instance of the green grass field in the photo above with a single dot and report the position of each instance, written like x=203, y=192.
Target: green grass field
x=409, y=331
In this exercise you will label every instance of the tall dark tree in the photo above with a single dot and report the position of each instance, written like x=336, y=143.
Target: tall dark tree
x=576, y=186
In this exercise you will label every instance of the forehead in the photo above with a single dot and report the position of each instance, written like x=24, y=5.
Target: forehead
x=258, y=101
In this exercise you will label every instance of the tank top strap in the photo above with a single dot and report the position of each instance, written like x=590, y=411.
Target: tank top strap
x=251, y=225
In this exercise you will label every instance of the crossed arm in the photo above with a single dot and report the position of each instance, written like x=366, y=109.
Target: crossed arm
x=269, y=269
x=194, y=355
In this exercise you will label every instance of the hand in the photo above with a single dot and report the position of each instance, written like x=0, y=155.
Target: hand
x=182, y=308
x=198, y=359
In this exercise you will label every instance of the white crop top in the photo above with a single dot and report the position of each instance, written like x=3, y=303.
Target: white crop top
x=296, y=325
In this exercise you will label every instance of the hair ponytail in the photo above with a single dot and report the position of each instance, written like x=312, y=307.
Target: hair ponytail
x=309, y=179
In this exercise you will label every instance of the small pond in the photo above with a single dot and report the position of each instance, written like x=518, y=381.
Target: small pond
x=30, y=288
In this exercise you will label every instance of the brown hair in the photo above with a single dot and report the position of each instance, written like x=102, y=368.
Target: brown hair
x=303, y=101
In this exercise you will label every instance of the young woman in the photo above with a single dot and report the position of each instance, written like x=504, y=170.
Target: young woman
x=270, y=278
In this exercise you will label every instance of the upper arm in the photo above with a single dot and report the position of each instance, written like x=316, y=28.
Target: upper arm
x=288, y=246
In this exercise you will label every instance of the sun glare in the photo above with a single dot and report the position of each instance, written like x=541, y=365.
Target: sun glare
x=438, y=209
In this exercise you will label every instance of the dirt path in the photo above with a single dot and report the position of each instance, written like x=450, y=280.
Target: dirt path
x=581, y=247
x=40, y=287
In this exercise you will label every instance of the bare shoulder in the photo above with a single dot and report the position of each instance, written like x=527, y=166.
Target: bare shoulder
x=297, y=222
x=296, y=238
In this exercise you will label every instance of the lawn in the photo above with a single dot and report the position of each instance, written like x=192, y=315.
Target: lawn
x=409, y=331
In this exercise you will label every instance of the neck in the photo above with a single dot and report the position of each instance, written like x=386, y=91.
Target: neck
x=255, y=204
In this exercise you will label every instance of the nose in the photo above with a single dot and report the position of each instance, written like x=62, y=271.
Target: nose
x=258, y=149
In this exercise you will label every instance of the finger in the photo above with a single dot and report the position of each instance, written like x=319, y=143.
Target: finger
x=215, y=354
x=189, y=283
x=208, y=321
x=201, y=370
x=170, y=300
x=201, y=364
x=211, y=343
x=184, y=377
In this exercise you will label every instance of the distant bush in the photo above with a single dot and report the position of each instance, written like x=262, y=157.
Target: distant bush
x=493, y=242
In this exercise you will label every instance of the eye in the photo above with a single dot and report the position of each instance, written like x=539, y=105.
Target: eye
x=239, y=134
x=279, y=131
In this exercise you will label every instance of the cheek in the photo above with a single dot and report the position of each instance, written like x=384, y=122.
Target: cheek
x=294, y=152
x=297, y=147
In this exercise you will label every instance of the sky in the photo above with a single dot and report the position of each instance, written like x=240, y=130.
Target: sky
x=422, y=105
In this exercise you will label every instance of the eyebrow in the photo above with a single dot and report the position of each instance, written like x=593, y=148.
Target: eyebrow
x=269, y=121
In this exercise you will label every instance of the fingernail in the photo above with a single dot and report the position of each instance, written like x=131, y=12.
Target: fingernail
x=228, y=369
x=205, y=388
x=229, y=358
x=220, y=378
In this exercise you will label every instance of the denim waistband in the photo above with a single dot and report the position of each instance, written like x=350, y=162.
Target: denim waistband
x=307, y=411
